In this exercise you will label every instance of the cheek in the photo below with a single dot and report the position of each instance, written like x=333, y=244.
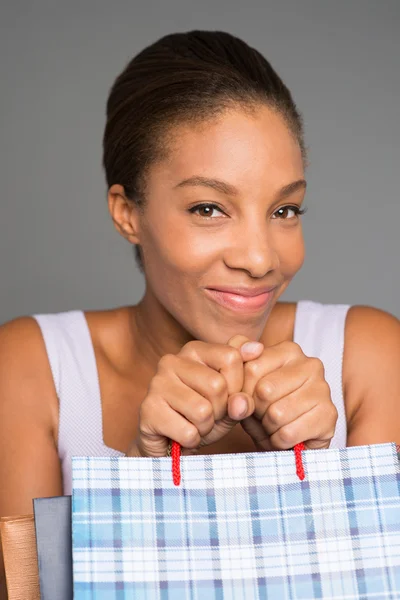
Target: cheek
x=289, y=245
x=175, y=245
x=170, y=246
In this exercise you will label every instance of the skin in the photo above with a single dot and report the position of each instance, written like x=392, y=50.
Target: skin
x=175, y=365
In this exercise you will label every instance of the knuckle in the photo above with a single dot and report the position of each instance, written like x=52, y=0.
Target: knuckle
x=252, y=368
x=334, y=414
x=317, y=365
x=190, y=349
x=327, y=389
x=190, y=437
x=217, y=384
x=231, y=357
x=286, y=436
x=202, y=412
x=167, y=362
x=292, y=348
x=296, y=348
x=274, y=414
x=264, y=388
x=324, y=391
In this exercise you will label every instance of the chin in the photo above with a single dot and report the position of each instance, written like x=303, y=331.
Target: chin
x=218, y=333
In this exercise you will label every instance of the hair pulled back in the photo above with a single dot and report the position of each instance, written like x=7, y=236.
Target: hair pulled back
x=183, y=78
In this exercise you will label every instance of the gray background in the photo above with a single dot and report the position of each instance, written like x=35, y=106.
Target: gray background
x=341, y=59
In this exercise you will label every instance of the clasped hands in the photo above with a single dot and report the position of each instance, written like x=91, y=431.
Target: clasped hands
x=279, y=396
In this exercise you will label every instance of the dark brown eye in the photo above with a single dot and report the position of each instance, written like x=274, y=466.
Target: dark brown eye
x=207, y=210
x=288, y=212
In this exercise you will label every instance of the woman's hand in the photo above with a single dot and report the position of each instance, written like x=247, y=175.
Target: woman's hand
x=195, y=397
x=292, y=399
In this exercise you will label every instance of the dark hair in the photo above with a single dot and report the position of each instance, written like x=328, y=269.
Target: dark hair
x=183, y=77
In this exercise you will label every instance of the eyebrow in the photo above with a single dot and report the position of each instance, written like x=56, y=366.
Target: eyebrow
x=230, y=190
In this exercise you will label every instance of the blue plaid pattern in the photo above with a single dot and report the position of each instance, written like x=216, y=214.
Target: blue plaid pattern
x=240, y=526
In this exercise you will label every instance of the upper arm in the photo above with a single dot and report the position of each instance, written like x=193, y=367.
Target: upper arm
x=29, y=463
x=371, y=376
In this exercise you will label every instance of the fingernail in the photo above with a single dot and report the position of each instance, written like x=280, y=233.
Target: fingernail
x=252, y=347
x=241, y=406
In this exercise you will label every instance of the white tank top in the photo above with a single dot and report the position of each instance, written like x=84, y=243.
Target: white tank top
x=319, y=331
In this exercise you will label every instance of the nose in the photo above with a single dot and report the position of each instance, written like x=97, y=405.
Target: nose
x=251, y=249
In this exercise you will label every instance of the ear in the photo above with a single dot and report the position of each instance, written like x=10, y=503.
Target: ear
x=124, y=213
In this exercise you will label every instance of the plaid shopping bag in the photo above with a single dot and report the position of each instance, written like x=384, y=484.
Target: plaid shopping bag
x=239, y=526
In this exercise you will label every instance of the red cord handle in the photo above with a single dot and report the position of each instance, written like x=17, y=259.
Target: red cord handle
x=298, y=449
x=176, y=461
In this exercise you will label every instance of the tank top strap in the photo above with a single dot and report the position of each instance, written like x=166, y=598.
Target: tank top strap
x=319, y=330
x=73, y=365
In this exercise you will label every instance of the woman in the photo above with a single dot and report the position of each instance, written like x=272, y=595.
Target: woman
x=204, y=158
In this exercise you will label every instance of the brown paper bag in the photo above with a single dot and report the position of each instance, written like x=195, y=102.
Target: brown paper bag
x=20, y=557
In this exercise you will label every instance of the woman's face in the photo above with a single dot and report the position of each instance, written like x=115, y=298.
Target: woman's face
x=246, y=173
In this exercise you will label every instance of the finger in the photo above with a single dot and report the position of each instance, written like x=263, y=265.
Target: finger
x=309, y=429
x=285, y=410
x=240, y=406
x=195, y=377
x=220, y=357
x=197, y=409
x=249, y=349
x=272, y=359
x=288, y=380
x=154, y=434
x=307, y=426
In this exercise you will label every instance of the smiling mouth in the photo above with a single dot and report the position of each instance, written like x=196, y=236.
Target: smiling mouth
x=239, y=302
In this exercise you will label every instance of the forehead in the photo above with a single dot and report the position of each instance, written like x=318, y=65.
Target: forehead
x=245, y=148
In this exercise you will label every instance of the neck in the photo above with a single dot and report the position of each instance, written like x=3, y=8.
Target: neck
x=157, y=332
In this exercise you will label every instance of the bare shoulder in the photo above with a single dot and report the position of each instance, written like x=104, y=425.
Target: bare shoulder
x=29, y=463
x=372, y=337
x=24, y=369
x=371, y=374
x=21, y=346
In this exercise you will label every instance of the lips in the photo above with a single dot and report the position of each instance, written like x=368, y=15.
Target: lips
x=241, y=299
x=243, y=291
